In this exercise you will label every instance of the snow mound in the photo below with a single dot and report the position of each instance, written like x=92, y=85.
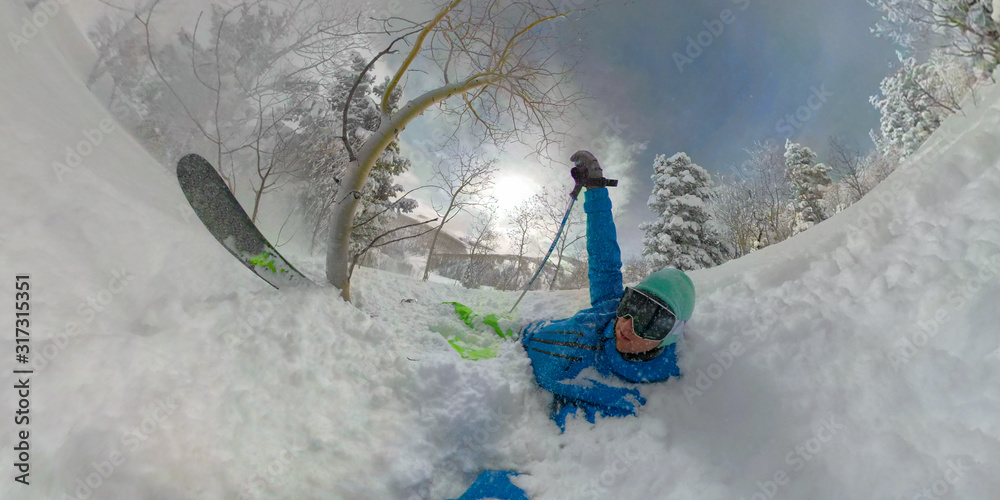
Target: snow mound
x=860, y=359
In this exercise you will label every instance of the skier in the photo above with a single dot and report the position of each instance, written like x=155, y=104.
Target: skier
x=627, y=335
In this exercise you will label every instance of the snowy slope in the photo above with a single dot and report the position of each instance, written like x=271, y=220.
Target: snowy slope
x=165, y=370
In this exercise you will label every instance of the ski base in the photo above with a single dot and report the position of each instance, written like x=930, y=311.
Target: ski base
x=223, y=216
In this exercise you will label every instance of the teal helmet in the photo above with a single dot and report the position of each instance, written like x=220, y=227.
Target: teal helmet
x=674, y=288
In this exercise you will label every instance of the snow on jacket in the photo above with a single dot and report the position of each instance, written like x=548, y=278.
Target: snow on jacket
x=575, y=358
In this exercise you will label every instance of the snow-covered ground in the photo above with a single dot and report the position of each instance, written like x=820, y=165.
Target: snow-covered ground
x=860, y=359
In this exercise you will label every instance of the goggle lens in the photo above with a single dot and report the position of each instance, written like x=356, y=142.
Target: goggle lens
x=651, y=319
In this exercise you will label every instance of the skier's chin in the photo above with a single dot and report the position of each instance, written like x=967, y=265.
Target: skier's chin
x=623, y=344
x=626, y=347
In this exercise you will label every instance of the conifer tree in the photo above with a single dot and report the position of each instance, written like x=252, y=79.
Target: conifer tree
x=683, y=235
x=810, y=180
x=911, y=105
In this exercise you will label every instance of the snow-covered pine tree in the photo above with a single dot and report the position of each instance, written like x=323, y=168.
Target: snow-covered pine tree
x=682, y=236
x=321, y=125
x=913, y=102
x=969, y=29
x=810, y=180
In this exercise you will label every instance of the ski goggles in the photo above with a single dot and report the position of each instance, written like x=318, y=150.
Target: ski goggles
x=652, y=319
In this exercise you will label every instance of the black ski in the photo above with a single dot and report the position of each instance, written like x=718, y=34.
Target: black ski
x=225, y=219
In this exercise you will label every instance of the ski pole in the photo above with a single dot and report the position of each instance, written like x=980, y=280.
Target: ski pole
x=551, y=248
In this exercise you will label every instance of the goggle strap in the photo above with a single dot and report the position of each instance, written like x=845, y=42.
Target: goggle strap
x=670, y=339
x=675, y=334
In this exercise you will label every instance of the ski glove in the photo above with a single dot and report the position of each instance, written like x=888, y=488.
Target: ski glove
x=587, y=172
x=598, y=399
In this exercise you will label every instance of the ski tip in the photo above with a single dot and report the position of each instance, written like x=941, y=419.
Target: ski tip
x=190, y=158
x=193, y=162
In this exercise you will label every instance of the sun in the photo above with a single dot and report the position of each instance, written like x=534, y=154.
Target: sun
x=511, y=190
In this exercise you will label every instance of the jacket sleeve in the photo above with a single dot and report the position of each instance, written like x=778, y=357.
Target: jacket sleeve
x=494, y=484
x=594, y=398
x=596, y=393
x=603, y=254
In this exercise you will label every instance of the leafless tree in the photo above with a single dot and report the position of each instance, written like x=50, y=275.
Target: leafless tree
x=481, y=240
x=960, y=27
x=577, y=278
x=735, y=207
x=552, y=205
x=878, y=164
x=845, y=161
x=753, y=207
x=463, y=184
x=523, y=220
x=769, y=189
x=378, y=242
x=276, y=157
x=635, y=268
x=494, y=71
x=242, y=106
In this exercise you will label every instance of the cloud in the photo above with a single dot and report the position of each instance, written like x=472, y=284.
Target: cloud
x=594, y=129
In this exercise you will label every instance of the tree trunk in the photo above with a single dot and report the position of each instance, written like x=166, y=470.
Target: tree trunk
x=256, y=204
x=342, y=215
x=258, y=192
x=555, y=274
x=341, y=224
x=430, y=253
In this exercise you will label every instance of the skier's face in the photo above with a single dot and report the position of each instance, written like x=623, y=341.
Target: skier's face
x=627, y=341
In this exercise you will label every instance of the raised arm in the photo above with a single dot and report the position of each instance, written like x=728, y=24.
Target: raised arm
x=603, y=254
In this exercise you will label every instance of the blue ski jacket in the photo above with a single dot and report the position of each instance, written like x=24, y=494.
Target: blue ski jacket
x=575, y=358
x=494, y=484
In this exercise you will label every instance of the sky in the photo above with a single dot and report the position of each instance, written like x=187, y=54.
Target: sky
x=682, y=79
x=710, y=78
